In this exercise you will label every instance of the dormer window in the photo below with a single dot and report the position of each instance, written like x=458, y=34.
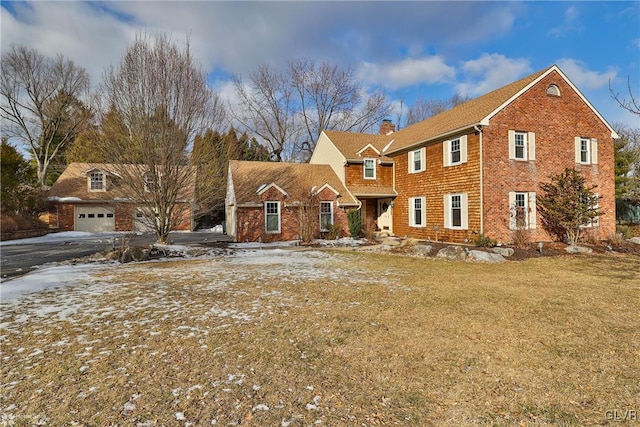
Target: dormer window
x=553, y=90
x=369, y=169
x=97, y=181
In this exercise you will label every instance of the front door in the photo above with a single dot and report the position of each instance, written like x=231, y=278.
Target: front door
x=385, y=215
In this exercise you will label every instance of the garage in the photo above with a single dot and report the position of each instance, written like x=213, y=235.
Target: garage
x=95, y=219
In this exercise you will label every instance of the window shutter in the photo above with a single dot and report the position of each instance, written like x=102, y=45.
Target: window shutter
x=424, y=211
x=512, y=144
x=532, y=211
x=423, y=158
x=447, y=211
x=512, y=216
x=411, y=211
x=464, y=211
x=577, y=148
x=594, y=151
x=463, y=149
x=532, y=145
x=446, y=148
x=410, y=161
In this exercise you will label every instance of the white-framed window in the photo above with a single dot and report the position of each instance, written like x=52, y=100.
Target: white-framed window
x=522, y=145
x=456, y=211
x=417, y=160
x=326, y=216
x=522, y=210
x=97, y=181
x=455, y=151
x=586, y=150
x=417, y=211
x=594, y=222
x=272, y=217
x=369, y=169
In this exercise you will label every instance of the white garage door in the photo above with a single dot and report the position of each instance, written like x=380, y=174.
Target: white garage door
x=95, y=219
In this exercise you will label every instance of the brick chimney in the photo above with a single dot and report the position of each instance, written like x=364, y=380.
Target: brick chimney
x=387, y=127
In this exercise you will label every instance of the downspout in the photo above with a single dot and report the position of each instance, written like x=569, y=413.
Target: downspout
x=478, y=128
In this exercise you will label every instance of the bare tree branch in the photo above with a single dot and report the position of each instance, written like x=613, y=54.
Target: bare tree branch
x=37, y=96
x=632, y=104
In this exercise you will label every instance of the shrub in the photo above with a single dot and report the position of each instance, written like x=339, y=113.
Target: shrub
x=485, y=241
x=335, y=232
x=354, y=221
x=521, y=238
x=624, y=231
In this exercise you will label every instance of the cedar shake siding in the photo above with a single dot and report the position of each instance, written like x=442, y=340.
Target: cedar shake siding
x=434, y=184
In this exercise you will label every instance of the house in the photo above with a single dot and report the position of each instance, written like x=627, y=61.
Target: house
x=476, y=168
x=91, y=197
x=268, y=201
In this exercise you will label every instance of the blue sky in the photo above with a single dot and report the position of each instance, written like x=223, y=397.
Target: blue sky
x=411, y=49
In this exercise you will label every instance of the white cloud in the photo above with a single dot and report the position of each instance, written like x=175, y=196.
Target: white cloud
x=571, y=23
x=584, y=78
x=408, y=72
x=490, y=72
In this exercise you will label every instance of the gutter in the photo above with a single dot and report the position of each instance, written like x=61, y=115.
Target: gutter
x=478, y=129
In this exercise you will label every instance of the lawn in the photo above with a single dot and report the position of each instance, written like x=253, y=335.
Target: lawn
x=284, y=338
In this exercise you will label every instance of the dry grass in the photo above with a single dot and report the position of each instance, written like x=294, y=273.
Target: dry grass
x=329, y=338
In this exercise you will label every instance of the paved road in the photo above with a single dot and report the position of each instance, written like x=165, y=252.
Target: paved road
x=18, y=258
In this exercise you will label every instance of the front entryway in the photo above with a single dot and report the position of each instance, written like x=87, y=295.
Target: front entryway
x=385, y=218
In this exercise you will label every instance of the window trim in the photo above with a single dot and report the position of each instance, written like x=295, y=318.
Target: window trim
x=267, y=214
x=330, y=213
x=364, y=168
x=592, y=150
x=529, y=150
x=412, y=212
x=464, y=211
x=412, y=160
x=103, y=181
x=529, y=208
x=447, y=153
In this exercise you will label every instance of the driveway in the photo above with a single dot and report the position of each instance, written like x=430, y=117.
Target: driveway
x=21, y=256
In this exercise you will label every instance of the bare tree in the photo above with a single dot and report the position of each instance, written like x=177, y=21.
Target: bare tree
x=158, y=100
x=41, y=103
x=632, y=104
x=288, y=110
x=332, y=98
x=268, y=109
x=424, y=108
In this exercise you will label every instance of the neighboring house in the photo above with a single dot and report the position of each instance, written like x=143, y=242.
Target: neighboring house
x=268, y=201
x=476, y=168
x=90, y=197
x=358, y=161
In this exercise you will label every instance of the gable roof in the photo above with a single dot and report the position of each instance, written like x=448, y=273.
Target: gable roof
x=477, y=111
x=352, y=144
x=292, y=178
x=72, y=183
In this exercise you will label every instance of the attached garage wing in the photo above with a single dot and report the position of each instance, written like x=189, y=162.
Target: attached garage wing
x=95, y=219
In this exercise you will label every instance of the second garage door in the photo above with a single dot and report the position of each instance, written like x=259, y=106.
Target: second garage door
x=95, y=219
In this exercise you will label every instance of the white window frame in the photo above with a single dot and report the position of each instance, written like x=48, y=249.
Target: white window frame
x=529, y=145
x=595, y=222
x=422, y=158
x=267, y=214
x=92, y=181
x=373, y=168
x=589, y=146
x=447, y=151
x=449, y=210
x=418, y=212
x=323, y=213
x=528, y=205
